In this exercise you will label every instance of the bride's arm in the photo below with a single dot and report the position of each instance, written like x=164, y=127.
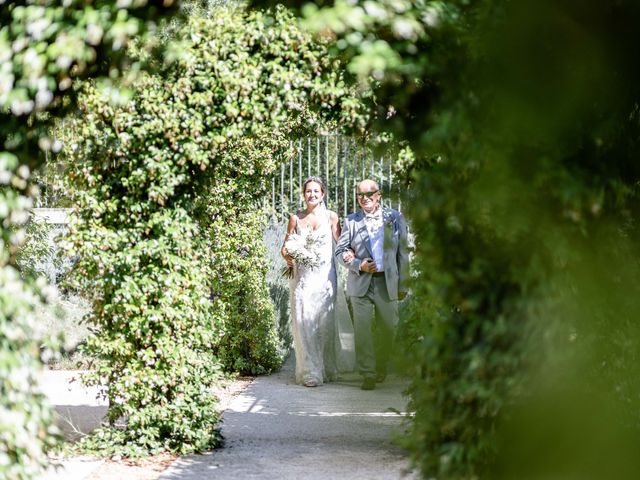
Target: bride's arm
x=348, y=255
x=290, y=229
x=335, y=226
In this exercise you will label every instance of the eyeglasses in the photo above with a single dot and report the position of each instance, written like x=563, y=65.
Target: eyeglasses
x=361, y=195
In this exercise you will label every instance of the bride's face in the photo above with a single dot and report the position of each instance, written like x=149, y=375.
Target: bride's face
x=313, y=194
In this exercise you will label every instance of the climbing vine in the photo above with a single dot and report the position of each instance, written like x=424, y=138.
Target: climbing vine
x=170, y=219
x=45, y=47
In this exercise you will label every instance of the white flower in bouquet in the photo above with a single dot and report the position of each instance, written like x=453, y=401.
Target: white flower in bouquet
x=304, y=249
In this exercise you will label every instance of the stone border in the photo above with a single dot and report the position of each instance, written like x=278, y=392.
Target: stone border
x=54, y=216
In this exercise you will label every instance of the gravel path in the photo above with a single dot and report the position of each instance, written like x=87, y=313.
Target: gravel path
x=79, y=412
x=278, y=430
x=273, y=429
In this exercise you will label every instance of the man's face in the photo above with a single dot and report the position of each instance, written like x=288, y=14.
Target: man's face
x=368, y=195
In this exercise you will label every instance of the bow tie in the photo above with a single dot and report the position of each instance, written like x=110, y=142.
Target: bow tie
x=372, y=216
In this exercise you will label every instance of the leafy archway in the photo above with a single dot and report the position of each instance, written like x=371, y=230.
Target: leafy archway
x=170, y=218
x=46, y=46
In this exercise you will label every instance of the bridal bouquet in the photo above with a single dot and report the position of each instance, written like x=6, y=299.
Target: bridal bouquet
x=304, y=249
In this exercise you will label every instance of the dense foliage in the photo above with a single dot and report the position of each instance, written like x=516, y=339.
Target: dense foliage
x=523, y=123
x=45, y=45
x=171, y=213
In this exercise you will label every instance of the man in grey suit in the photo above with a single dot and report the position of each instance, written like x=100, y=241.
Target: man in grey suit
x=373, y=246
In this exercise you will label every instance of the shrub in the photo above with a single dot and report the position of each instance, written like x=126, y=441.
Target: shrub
x=154, y=352
x=26, y=419
x=169, y=230
x=522, y=192
x=44, y=47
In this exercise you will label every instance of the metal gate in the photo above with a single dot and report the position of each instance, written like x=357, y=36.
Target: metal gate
x=341, y=162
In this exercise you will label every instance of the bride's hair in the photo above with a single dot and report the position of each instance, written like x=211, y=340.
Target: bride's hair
x=317, y=180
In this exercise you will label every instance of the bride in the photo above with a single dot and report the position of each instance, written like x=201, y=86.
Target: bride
x=313, y=287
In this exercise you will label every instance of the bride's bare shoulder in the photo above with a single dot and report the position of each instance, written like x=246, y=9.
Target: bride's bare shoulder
x=293, y=221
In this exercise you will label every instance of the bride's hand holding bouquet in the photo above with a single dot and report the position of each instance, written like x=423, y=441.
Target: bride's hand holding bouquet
x=301, y=249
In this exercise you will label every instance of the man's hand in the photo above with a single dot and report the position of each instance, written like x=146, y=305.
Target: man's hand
x=368, y=265
x=348, y=256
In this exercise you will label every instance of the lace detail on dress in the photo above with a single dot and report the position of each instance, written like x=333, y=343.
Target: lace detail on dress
x=312, y=296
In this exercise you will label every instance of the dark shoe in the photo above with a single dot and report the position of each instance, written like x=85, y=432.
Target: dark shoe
x=381, y=377
x=369, y=383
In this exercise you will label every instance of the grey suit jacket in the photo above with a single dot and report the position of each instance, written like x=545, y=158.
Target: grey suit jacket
x=354, y=236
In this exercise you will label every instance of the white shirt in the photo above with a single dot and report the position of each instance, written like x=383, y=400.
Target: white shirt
x=374, y=224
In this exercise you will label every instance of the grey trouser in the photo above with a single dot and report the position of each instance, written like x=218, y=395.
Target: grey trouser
x=375, y=317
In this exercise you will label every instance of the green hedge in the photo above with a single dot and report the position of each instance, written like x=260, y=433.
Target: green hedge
x=26, y=419
x=171, y=195
x=45, y=47
x=526, y=231
x=522, y=190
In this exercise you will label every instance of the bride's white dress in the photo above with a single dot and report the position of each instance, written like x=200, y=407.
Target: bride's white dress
x=313, y=296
